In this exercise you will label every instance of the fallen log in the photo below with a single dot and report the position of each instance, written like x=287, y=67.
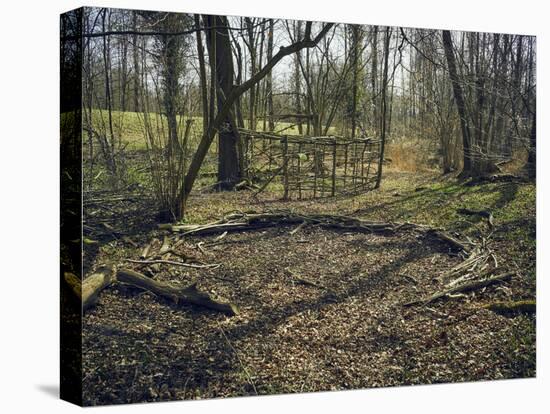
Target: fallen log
x=94, y=284
x=514, y=307
x=188, y=294
x=252, y=221
x=466, y=287
x=74, y=283
x=495, y=178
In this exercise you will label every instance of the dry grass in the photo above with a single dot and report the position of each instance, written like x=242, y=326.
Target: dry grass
x=410, y=156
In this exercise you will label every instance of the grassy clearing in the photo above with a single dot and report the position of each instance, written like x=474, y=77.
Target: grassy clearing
x=129, y=127
x=423, y=198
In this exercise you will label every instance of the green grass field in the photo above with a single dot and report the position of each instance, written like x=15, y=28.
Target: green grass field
x=129, y=127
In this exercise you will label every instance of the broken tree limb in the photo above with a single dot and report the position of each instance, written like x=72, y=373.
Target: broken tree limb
x=302, y=281
x=174, y=263
x=165, y=246
x=264, y=186
x=145, y=251
x=248, y=221
x=514, y=307
x=297, y=229
x=482, y=213
x=189, y=294
x=466, y=287
x=94, y=284
x=74, y=284
x=495, y=178
x=454, y=243
x=251, y=221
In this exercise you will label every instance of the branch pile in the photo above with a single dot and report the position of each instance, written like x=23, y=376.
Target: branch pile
x=478, y=270
x=243, y=221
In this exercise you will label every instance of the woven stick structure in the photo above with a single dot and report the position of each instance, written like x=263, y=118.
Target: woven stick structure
x=312, y=167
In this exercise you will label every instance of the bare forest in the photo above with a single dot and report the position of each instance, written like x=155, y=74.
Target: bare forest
x=279, y=206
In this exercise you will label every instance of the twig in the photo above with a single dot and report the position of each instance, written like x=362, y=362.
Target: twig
x=201, y=249
x=409, y=277
x=476, y=284
x=249, y=378
x=297, y=229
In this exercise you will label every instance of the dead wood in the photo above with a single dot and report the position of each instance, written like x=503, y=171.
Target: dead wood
x=74, y=284
x=264, y=185
x=465, y=287
x=513, y=307
x=297, y=229
x=410, y=278
x=130, y=241
x=482, y=213
x=447, y=238
x=302, y=281
x=189, y=294
x=145, y=251
x=173, y=263
x=495, y=178
x=251, y=221
x=165, y=246
x=306, y=282
x=94, y=284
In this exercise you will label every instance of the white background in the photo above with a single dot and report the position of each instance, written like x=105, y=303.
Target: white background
x=29, y=192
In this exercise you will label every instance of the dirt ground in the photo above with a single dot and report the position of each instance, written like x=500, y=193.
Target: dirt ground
x=347, y=330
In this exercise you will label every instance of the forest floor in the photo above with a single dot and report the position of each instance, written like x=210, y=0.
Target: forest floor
x=348, y=330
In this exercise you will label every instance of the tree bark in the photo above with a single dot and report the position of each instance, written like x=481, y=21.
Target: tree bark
x=202, y=75
x=93, y=285
x=269, y=81
x=459, y=100
x=356, y=48
x=229, y=172
x=180, y=295
x=135, y=55
x=383, y=101
x=532, y=158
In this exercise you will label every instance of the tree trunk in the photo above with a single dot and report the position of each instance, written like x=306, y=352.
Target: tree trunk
x=252, y=93
x=532, y=158
x=171, y=91
x=297, y=78
x=202, y=75
x=135, y=55
x=356, y=61
x=374, y=75
x=269, y=81
x=459, y=100
x=384, y=105
x=229, y=172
